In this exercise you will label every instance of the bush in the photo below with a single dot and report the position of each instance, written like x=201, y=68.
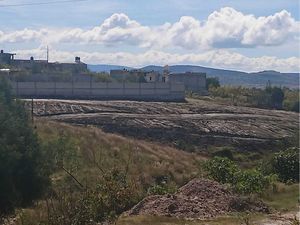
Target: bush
x=103, y=202
x=286, y=165
x=277, y=96
x=251, y=181
x=224, y=170
x=101, y=77
x=61, y=152
x=221, y=169
x=291, y=100
x=225, y=152
x=161, y=189
x=212, y=82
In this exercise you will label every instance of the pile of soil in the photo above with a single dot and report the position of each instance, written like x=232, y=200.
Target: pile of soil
x=198, y=199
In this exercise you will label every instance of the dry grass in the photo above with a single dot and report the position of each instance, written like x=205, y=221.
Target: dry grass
x=143, y=159
x=285, y=198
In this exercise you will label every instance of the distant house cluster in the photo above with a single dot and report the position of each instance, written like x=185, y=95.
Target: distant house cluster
x=149, y=77
x=195, y=82
x=45, y=71
x=32, y=64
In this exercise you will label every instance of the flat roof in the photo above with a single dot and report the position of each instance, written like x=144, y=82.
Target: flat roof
x=6, y=53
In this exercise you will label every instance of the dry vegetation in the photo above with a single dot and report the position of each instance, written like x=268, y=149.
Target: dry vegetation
x=145, y=162
x=144, y=159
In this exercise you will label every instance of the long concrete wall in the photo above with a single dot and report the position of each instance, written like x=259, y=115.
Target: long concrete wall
x=97, y=90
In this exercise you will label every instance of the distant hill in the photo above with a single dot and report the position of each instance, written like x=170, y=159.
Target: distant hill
x=226, y=77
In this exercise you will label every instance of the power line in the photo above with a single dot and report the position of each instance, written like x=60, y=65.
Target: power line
x=41, y=3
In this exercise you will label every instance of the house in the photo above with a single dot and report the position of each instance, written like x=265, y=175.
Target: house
x=195, y=82
x=39, y=65
x=6, y=58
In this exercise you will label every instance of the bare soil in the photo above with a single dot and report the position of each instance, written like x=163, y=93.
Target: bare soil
x=193, y=126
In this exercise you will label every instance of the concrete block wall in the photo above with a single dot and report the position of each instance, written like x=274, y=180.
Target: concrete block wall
x=195, y=82
x=97, y=90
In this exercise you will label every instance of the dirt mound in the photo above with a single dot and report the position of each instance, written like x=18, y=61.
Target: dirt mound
x=200, y=198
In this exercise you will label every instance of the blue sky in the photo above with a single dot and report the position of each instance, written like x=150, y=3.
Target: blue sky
x=151, y=32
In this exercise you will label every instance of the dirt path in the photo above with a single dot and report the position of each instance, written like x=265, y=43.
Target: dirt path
x=289, y=218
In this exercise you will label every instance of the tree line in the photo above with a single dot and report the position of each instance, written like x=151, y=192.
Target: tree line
x=270, y=97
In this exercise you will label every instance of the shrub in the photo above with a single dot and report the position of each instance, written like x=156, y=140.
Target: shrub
x=251, y=181
x=295, y=106
x=161, y=189
x=61, y=152
x=103, y=202
x=212, y=82
x=221, y=169
x=225, y=152
x=286, y=165
x=277, y=96
x=102, y=77
x=224, y=170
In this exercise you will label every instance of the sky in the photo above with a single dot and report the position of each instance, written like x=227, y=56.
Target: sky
x=246, y=35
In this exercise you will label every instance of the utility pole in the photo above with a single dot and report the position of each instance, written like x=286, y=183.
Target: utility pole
x=47, y=54
x=32, y=121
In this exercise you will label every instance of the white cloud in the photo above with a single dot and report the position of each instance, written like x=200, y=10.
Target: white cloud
x=226, y=28
x=223, y=29
x=214, y=58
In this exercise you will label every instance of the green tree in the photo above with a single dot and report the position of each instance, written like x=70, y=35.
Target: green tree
x=23, y=177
